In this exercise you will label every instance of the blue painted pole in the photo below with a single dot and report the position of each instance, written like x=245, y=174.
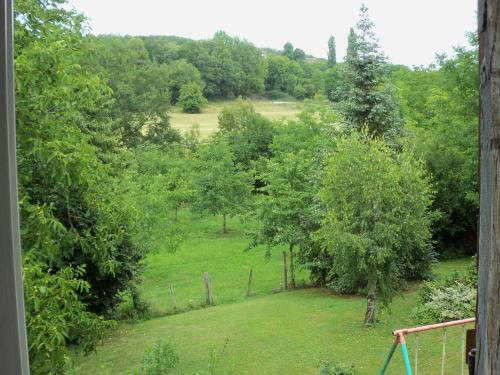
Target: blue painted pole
x=406, y=358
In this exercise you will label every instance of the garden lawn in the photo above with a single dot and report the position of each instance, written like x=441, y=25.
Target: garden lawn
x=285, y=333
x=208, y=122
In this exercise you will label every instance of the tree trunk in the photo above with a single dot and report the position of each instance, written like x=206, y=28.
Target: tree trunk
x=370, y=306
x=285, y=273
x=292, y=268
x=224, y=224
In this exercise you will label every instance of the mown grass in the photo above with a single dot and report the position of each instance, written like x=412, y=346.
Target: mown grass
x=288, y=332
x=207, y=120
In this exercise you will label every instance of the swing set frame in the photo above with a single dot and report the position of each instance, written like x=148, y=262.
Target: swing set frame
x=399, y=339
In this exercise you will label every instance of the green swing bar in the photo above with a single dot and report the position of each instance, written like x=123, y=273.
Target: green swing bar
x=400, y=334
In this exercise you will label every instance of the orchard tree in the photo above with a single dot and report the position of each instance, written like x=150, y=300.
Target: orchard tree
x=191, y=98
x=367, y=98
x=377, y=223
x=221, y=187
x=332, y=51
x=288, y=213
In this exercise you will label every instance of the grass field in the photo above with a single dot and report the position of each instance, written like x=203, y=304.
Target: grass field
x=222, y=256
x=288, y=332
x=207, y=120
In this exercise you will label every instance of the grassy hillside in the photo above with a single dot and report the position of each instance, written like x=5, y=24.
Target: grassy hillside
x=207, y=120
x=268, y=333
x=222, y=256
x=289, y=332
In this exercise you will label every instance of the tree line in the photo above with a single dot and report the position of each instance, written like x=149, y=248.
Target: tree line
x=364, y=191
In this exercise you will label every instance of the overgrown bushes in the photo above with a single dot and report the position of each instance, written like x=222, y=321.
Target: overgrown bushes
x=451, y=299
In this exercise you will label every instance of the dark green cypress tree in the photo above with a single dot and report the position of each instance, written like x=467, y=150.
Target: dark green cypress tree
x=332, y=52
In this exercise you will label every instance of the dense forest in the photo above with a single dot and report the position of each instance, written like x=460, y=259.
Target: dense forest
x=367, y=187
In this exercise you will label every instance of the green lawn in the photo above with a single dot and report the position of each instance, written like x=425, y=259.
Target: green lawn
x=268, y=333
x=289, y=332
x=207, y=120
x=222, y=256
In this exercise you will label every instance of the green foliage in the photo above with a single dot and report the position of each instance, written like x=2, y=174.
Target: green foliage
x=158, y=180
x=191, y=98
x=221, y=186
x=181, y=73
x=55, y=316
x=450, y=299
x=333, y=83
x=141, y=88
x=332, y=51
x=441, y=111
x=334, y=368
x=377, y=222
x=249, y=133
x=71, y=214
x=366, y=95
x=299, y=55
x=161, y=359
x=229, y=66
x=288, y=50
x=288, y=212
x=283, y=74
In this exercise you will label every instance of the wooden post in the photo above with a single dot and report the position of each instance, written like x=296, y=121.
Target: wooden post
x=208, y=289
x=488, y=306
x=249, y=282
x=292, y=268
x=13, y=344
x=285, y=273
x=172, y=295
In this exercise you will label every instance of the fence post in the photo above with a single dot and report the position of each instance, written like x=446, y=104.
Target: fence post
x=249, y=282
x=208, y=289
x=285, y=272
x=292, y=269
x=172, y=295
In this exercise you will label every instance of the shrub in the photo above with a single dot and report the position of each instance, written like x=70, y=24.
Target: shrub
x=161, y=359
x=299, y=91
x=333, y=368
x=278, y=95
x=451, y=299
x=132, y=307
x=191, y=98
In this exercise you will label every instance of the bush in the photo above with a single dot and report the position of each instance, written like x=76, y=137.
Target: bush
x=451, y=299
x=333, y=368
x=191, y=98
x=278, y=95
x=299, y=91
x=161, y=359
x=132, y=307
